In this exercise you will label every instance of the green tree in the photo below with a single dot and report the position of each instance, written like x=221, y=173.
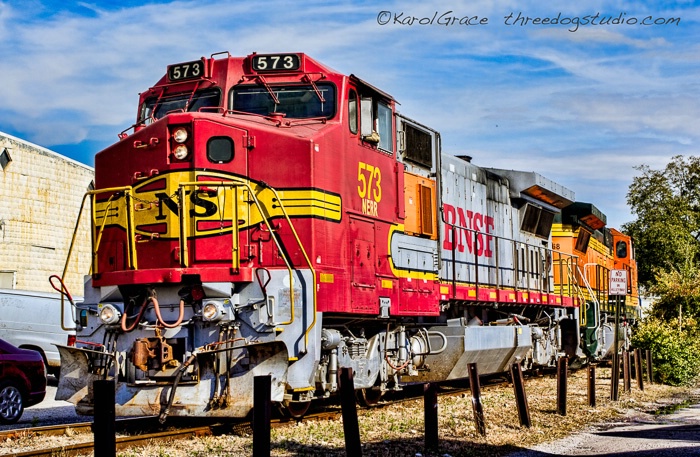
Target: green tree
x=678, y=287
x=667, y=205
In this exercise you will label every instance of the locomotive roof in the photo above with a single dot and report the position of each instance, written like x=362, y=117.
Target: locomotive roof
x=363, y=83
x=587, y=213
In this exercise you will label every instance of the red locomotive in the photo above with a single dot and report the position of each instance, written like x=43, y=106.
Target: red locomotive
x=271, y=216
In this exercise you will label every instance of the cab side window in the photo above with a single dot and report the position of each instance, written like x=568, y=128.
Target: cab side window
x=352, y=111
x=621, y=249
x=384, y=127
x=377, y=123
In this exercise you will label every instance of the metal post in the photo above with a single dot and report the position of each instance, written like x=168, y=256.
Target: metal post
x=591, y=386
x=351, y=427
x=638, y=368
x=262, y=412
x=104, y=428
x=650, y=369
x=615, y=376
x=516, y=374
x=562, y=367
x=626, y=372
x=633, y=365
x=477, y=407
x=430, y=404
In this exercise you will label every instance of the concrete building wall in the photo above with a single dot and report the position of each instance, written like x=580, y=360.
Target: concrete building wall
x=40, y=196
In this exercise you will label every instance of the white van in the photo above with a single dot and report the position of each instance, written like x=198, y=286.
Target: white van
x=34, y=320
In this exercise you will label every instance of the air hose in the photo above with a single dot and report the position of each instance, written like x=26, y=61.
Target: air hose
x=178, y=376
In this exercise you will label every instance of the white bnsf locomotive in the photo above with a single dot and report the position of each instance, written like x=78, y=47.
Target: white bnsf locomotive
x=270, y=216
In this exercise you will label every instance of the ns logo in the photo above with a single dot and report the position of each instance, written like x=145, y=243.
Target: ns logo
x=201, y=207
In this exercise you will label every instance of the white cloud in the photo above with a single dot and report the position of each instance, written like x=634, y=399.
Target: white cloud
x=582, y=107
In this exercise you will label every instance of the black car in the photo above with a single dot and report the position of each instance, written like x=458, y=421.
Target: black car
x=22, y=381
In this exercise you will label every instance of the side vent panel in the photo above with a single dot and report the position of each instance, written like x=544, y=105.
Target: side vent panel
x=419, y=193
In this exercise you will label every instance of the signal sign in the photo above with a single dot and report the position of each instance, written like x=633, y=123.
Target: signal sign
x=618, y=282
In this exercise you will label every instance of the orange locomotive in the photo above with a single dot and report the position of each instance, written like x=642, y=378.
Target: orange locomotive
x=271, y=216
x=580, y=231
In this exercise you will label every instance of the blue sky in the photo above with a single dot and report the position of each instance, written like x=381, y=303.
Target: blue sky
x=580, y=104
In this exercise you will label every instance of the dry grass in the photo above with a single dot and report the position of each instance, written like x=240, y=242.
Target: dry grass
x=398, y=430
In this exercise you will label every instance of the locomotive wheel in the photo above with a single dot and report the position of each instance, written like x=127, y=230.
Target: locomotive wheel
x=371, y=397
x=297, y=409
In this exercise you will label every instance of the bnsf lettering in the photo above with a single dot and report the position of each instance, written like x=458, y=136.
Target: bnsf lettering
x=465, y=220
x=200, y=207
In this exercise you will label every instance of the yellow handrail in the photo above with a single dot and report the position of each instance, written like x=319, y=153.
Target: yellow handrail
x=68, y=256
x=131, y=251
x=184, y=257
x=183, y=235
x=242, y=183
x=308, y=262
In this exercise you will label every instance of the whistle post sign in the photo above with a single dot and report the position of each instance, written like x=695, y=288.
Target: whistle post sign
x=618, y=282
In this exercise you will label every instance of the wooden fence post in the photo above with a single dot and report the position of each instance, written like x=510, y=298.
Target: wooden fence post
x=626, y=372
x=638, y=368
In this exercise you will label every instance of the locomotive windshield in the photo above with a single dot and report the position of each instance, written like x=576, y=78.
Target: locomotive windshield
x=295, y=101
x=156, y=107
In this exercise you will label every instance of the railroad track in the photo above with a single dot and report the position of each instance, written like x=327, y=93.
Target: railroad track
x=129, y=433
x=132, y=432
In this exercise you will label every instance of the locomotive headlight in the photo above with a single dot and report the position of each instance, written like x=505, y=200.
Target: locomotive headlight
x=213, y=311
x=180, y=152
x=109, y=314
x=180, y=135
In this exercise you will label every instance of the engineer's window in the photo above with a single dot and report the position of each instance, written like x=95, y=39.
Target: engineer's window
x=376, y=123
x=384, y=126
x=621, y=249
x=352, y=111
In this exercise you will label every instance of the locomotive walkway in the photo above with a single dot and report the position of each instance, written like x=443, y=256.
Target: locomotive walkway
x=676, y=434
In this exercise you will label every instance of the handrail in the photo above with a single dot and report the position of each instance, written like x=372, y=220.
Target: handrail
x=95, y=243
x=183, y=235
x=235, y=246
x=544, y=286
x=234, y=183
x=65, y=267
x=308, y=262
x=594, y=298
x=237, y=182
